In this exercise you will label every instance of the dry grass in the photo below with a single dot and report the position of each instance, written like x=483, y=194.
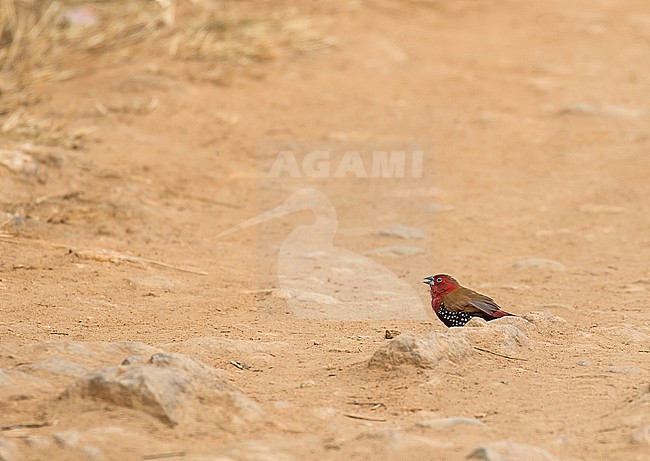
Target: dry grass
x=40, y=39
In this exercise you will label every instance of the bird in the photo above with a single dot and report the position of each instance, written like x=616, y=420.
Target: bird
x=456, y=305
x=321, y=280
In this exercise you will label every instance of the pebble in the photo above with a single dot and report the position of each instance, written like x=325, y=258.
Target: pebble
x=401, y=231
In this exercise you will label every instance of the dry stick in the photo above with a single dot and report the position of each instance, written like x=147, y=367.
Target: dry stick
x=100, y=254
x=365, y=418
x=499, y=355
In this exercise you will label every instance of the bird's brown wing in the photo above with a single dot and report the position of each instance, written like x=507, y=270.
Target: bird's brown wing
x=465, y=300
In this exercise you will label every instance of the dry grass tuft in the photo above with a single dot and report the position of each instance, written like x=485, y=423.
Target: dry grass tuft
x=39, y=39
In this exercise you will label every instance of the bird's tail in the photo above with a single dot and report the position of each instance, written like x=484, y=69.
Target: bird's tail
x=499, y=313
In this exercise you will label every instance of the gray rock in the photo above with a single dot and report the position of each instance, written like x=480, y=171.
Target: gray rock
x=423, y=352
x=539, y=263
x=397, y=250
x=7, y=450
x=170, y=387
x=401, y=231
x=641, y=436
x=506, y=450
x=444, y=423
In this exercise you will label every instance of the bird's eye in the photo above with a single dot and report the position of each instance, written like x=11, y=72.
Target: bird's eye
x=439, y=279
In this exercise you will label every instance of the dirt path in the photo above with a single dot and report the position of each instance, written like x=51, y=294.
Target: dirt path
x=534, y=118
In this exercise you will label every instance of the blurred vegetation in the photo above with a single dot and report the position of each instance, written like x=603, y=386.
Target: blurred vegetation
x=48, y=40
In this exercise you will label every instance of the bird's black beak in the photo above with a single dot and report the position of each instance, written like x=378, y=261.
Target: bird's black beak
x=428, y=280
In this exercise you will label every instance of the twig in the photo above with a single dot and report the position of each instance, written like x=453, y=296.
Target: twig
x=171, y=454
x=26, y=426
x=499, y=355
x=103, y=255
x=374, y=405
x=648, y=351
x=240, y=365
x=365, y=418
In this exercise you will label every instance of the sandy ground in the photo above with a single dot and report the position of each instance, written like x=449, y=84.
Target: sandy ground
x=535, y=118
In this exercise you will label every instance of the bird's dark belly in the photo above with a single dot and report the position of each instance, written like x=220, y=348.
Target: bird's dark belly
x=454, y=319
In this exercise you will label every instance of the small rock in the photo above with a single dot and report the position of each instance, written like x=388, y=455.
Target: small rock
x=170, y=387
x=444, y=423
x=624, y=370
x=401, y=231
x=424, y=352
x=397, y=250
x=583, y=363
x=539, y=263
x=390, y=334
x=506, y=450
x=641, y=436
x=308, y=383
